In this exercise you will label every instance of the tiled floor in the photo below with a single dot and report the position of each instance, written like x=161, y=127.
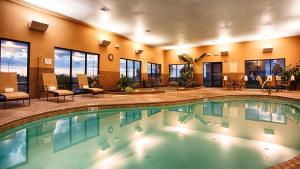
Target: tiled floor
x=15, y=112
x=293, y=163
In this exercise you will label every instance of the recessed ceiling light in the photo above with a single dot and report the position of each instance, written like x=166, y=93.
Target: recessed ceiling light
x=104, y=9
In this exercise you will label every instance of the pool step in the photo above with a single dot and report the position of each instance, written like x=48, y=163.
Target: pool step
x=293, y=163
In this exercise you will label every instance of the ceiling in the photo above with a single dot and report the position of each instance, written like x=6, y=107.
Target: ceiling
x=176, y=23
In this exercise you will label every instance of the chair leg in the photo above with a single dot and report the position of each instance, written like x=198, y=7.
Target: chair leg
x=57, y=99
x=47, y=96
x=29, y=101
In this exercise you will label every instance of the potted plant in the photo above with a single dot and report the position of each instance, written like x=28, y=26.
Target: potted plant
x=123, y=83
x=292, y=72
x=187, y=72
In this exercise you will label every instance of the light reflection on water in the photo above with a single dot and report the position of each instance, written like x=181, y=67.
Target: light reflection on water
x=99, y=139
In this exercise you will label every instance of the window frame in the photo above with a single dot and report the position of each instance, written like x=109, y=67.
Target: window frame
x=71, y=62
x=177, y=76
x=28, y=59
x=70, y=133
x=134, y=61
x=257, y=60
x=151, y=70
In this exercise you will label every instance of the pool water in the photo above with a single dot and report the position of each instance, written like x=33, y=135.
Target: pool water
x=230, y=133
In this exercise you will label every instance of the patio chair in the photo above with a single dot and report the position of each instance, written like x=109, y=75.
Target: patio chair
x=9, y=89
x=272, y=84
x=241, y=82
x=84, y=85
x=259, y=82
x=227, y=82
x=50, y=86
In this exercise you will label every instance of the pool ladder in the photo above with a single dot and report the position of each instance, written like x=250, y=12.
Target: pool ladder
x=264, y=85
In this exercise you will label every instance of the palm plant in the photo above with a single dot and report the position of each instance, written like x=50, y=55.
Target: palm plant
x=187, y=72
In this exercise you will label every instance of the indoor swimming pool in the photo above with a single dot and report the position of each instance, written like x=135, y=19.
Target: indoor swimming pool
x=224, y=133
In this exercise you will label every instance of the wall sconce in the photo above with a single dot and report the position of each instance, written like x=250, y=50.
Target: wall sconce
x=38, y=26
x=104, y=43
x=139, y=51
x=268, y=50
x=245, y=78
x=224, y=53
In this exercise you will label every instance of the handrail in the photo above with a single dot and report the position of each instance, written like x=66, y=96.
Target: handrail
x=263, y=85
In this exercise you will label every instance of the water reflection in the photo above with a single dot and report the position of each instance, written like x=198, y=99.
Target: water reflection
x=93, y=137
x=13, y=149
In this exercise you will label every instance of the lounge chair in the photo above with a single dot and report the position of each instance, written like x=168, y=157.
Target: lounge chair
x=9, y=89
x=50, y=86
x=84, y=85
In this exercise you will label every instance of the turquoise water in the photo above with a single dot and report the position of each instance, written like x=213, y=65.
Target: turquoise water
x=214, y=134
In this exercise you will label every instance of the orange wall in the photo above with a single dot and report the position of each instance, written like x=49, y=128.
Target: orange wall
x=288, y=48
x=65, y=33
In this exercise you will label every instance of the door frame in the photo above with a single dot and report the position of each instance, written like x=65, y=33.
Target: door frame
x=212, y=77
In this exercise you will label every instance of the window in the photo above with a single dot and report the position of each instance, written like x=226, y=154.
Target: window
x=151, y=112
x=70, y=131
x=130, y=69
x=176, y=71
x=213, y=109
x=154, y=73
x=69, y=63
x=14, y=149
x=269, y=112
x=129, y=117
x=63, y=67
x=263, y=68
x=14, y=57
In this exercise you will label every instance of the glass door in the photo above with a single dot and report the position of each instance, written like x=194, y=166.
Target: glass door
x=212, y=74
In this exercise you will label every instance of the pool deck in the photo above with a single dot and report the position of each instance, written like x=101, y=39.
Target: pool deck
x=16, y=113
x=293, y=163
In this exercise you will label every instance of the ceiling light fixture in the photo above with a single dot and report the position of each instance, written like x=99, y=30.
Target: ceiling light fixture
x=104, y=43
x=38, y=26
x=267, y=50
x=139, y=51
x=224, y=53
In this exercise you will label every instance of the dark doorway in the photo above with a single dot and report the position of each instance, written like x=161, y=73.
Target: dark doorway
x=212, y=74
